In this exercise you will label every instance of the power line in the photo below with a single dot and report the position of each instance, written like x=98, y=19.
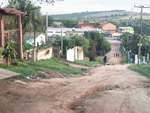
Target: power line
x=140, y=38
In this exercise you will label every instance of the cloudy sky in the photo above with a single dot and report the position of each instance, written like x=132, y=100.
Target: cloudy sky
x=71, y=6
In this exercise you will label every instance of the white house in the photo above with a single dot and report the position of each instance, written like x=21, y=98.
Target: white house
x=126, y=29
x=39, y=40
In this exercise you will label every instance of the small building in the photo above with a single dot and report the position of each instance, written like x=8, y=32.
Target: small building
x=108, y=27
x=39, y=40
x=126, y=30
x=75, y=53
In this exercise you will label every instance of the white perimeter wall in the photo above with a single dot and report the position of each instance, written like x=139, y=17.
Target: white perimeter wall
x=42, y=54
x=72, y=54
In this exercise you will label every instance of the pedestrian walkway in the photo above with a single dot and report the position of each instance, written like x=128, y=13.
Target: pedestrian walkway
x=7, y=74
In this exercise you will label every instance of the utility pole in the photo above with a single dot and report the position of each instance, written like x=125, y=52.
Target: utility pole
x=140, y=38
x=61, y=39
x=46, y=31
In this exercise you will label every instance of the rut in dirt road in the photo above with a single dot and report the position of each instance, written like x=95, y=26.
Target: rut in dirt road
x=109, y=89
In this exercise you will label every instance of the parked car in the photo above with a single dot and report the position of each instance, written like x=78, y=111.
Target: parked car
x=116, y=37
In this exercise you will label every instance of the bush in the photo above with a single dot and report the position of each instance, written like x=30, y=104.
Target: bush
x=27, y=47
x=1, y=52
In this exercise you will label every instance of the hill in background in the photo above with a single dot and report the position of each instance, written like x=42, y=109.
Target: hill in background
x=100, y=15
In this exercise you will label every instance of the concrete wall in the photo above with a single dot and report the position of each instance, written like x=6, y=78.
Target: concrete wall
x=44, y=53
x=74, y=54
x=71, y=55
x=40, y=54
x=81, y=55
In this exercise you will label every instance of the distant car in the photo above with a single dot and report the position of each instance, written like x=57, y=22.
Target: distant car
x=116, y=37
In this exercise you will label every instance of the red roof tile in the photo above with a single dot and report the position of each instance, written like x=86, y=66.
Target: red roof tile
x=11, y=11
x=79, y=48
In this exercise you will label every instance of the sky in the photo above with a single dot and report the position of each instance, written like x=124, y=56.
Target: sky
x=73, y=6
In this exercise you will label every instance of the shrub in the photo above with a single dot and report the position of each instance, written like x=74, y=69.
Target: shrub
x=0, y=52
x=9, y=52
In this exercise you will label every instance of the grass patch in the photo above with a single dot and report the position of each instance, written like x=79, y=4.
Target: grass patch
x=57, y=66
x=26, y=68
x=143, y=69
x=124, y=56
x=98, y=60
x=124, y=60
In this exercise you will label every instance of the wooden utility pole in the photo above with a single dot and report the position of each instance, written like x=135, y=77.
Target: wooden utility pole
x=61, y=40
x=140, y=37
x=46, y=31
x=34, y=48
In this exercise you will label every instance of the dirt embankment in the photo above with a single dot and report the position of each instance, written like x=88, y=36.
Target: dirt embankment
x=109, y=89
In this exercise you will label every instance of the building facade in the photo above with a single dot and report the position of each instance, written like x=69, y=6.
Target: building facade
x=108, y=27
x=126, y=30
x=67, y=31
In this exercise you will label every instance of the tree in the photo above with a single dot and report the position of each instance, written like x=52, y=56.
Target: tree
x=92, y=50
x=130, y=43
x=102, y=46
x=50, y=21
x=77, y=40
x=9, y=52
x=32, y=17
x=69, y=23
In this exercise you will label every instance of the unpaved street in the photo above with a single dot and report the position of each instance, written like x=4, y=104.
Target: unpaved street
x=108, y=89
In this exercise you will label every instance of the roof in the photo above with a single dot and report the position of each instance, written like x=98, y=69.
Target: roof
x=80, y=22
x=79, y=48
x=107, y=23
x=11, y=11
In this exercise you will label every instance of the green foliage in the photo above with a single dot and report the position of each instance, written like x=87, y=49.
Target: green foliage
x=143, y=69
x=9, y=52
x=28, y=68
x=1, y=52
x=94, y=15
x=92, y=50
x=124, y=59
x=47, y=52
x=99, y=46
x=27, y=47
x=69, y=23
x=87, y=63
x=23, y=70
x=77, y=40
x=50, y=21
x=130, y=42
x=56, y=66
x=32, y=19
x=99, y=59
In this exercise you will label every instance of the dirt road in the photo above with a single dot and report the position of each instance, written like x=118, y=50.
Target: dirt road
x=109, y=89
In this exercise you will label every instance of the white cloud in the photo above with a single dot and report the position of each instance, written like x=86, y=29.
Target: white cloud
x=71, y=6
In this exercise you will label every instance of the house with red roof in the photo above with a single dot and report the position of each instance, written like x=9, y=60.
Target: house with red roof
x=108, y=27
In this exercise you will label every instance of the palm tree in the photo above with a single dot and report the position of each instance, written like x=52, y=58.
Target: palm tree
x=28, y=22
x=9, y=52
